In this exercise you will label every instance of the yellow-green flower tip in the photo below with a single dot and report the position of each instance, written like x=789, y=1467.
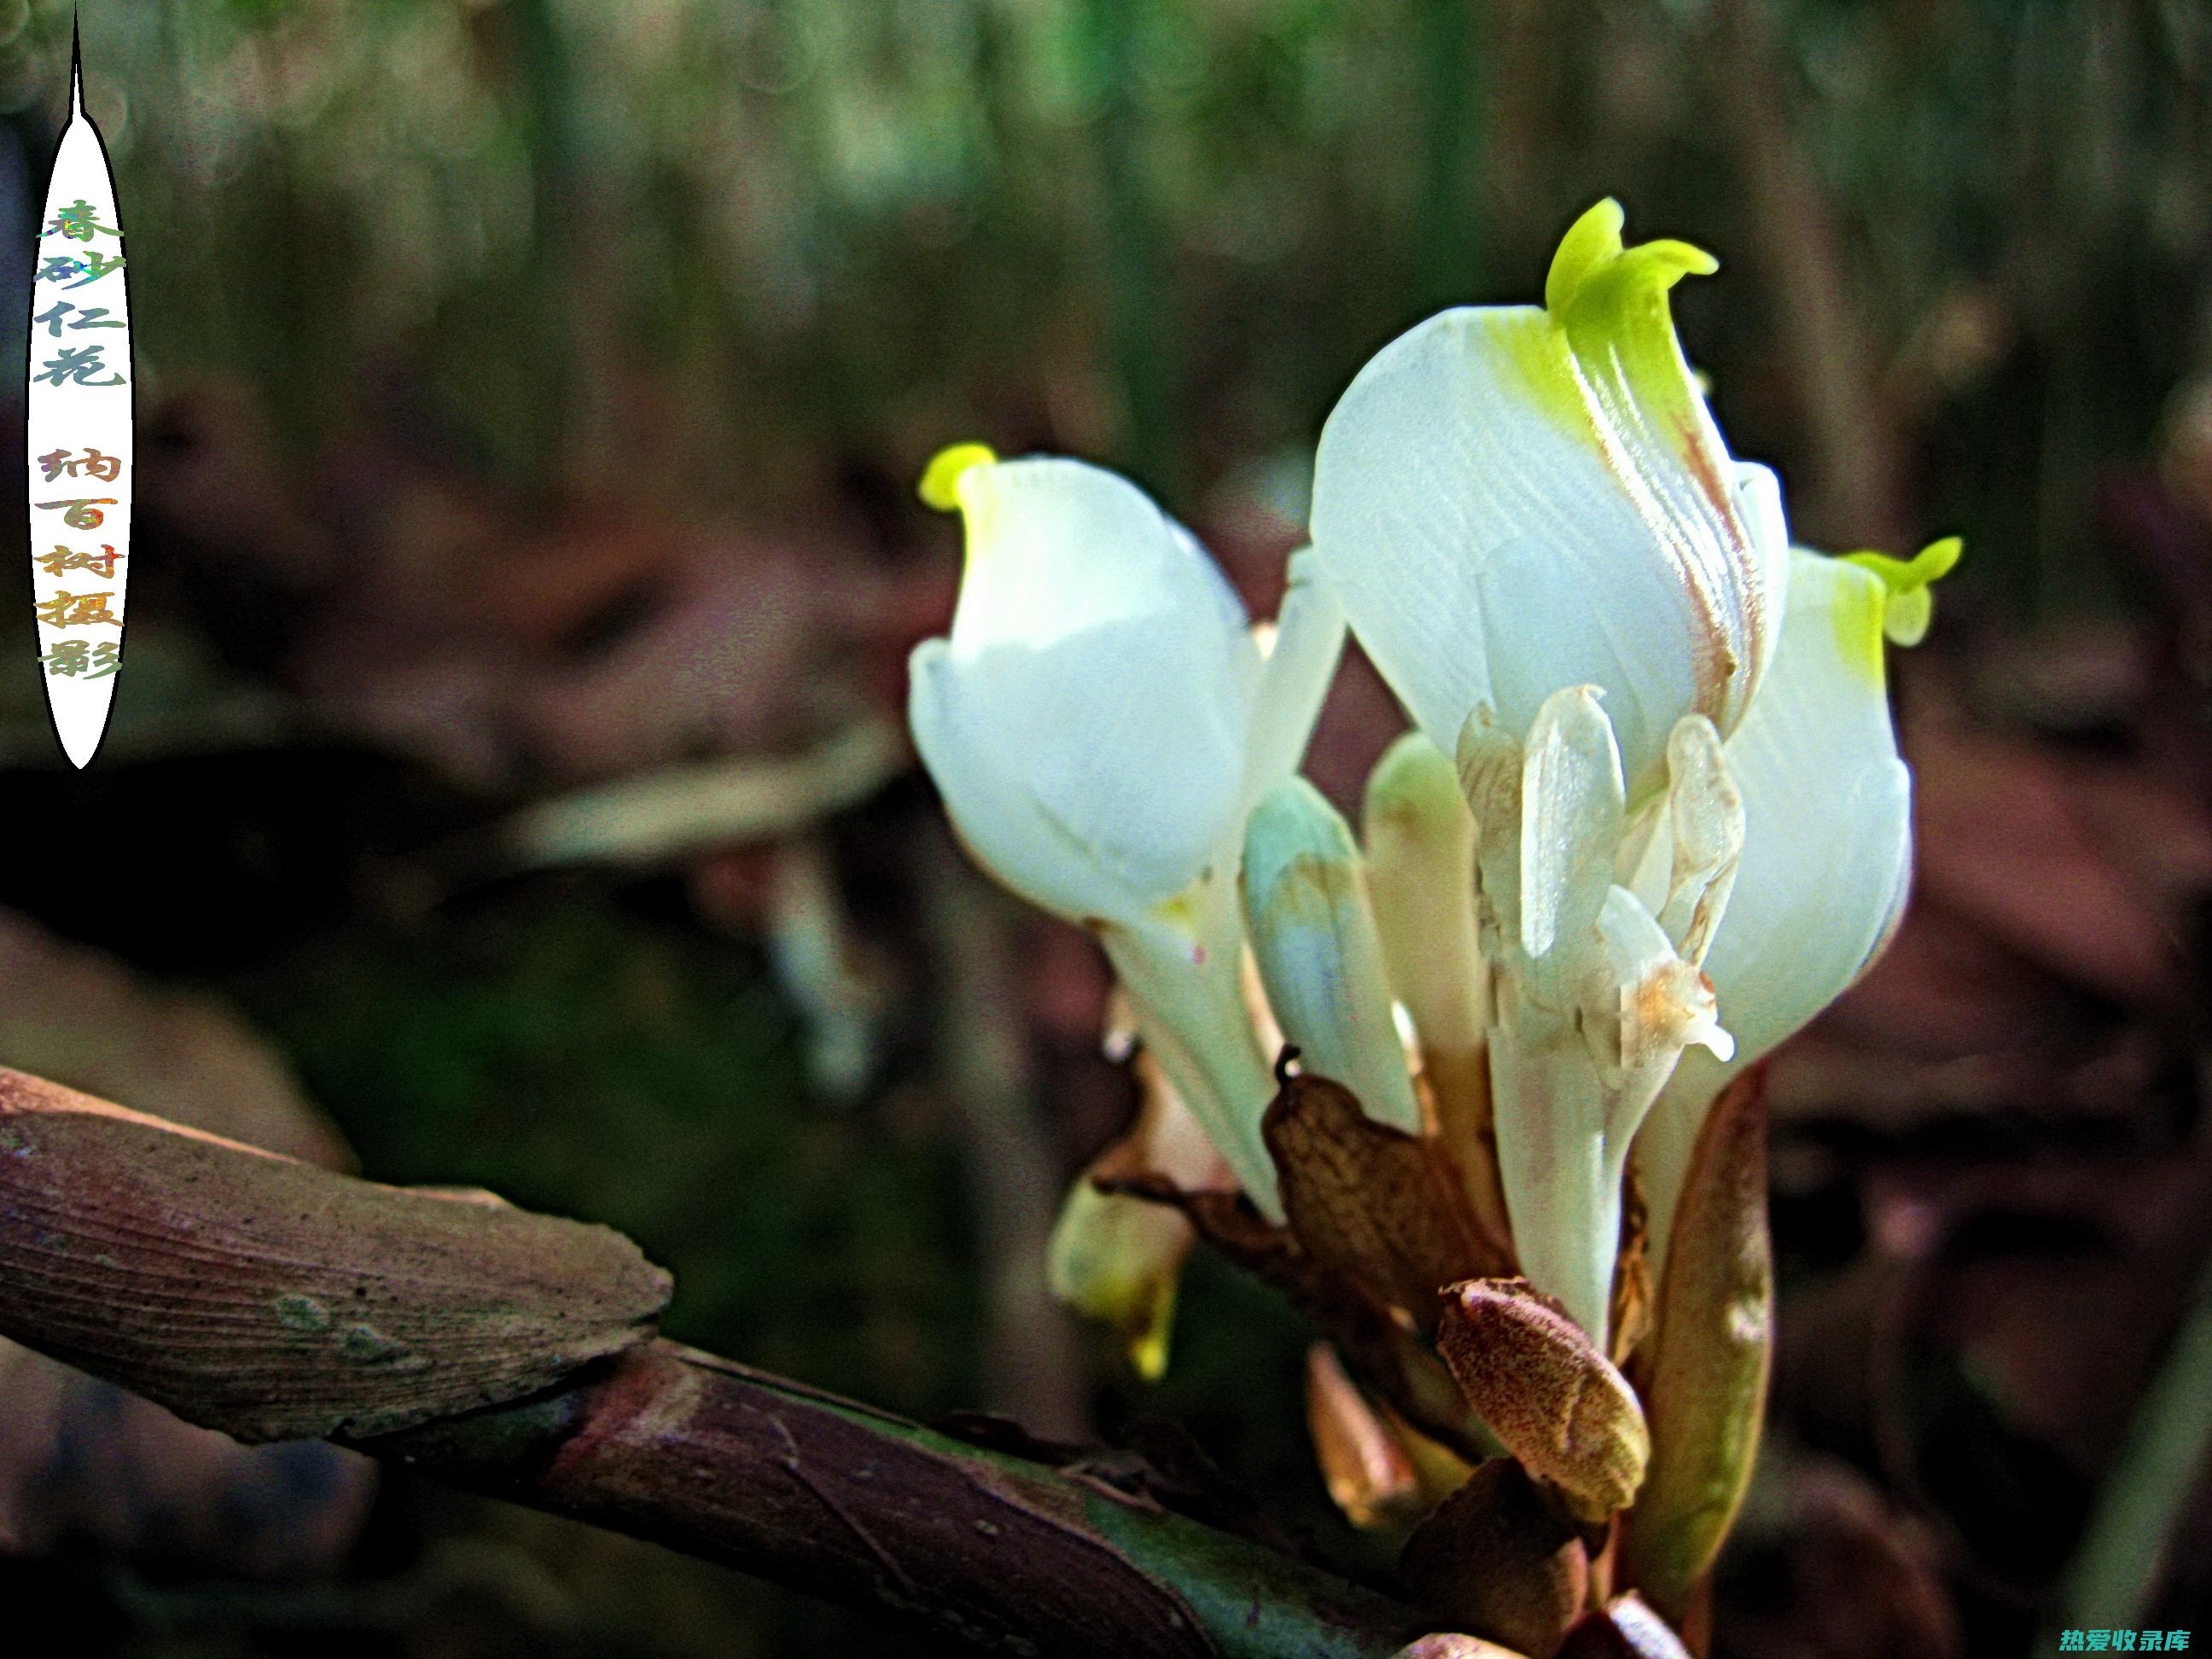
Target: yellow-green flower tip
x=1118, y=1259
x=1606, y=335
x=940, y=479
x=1592, y=264
x=1148, y=1348
x=1911, y=605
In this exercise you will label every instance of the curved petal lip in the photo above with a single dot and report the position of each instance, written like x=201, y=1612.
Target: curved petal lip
x=1826, y=855
x=1088, y=716
x=1000, y=821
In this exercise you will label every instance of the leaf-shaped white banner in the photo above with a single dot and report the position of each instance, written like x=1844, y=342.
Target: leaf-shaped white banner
x=79, y=407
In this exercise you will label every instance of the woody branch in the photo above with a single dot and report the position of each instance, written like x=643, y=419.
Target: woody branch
x=513, y=1353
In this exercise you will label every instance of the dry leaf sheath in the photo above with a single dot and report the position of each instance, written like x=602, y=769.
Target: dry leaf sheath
x=1707, y=1386
x=295, y=1304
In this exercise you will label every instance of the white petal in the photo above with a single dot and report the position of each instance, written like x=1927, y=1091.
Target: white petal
x=1759, y=504
x=1561, y=1181
x=993, y=811
x=1058, y=546
x=1118, y=743
x=1704, y=815
x=1098, y=677
x=1420, y=874
x=1183, y=966
x=1308, y=643
x=1510, y=500
x=1827, y=814
x=1826, y=847
x=1571, y=811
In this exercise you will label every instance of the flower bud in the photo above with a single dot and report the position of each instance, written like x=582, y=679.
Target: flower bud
x=1313, y=933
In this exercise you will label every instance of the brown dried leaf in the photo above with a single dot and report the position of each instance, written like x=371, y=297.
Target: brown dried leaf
x=1851, y=1572
x=1369, y=1201
x=79, y=1017
x=1455, y=1088
x=1706, y=1395
x=1558, y=1405
x=2036, y=875
x=273, y=1301
x=1631, y=1275
x=1381, y=1350
x=1500, y=1561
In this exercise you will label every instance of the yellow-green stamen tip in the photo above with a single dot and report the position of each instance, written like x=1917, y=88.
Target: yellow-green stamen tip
x=940, y=479
x=1591, y=251
x=1911, y=605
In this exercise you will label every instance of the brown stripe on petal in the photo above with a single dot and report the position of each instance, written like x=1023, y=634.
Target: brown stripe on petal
x=1716, y=489
x=1726, y=595
x=1718, y=664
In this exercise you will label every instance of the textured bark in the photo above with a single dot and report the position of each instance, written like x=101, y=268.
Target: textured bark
x=182, y=1266
x=727, y=1463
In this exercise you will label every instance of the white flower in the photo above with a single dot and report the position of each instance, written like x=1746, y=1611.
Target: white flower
x=1513, y=499
x=1639, y=961
x=1656, y=822
x=1100, y=721
x=1690, y=821
x=1596, y=994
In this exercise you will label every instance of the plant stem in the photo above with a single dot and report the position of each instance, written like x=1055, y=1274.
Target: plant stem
x=512, y=1353
x=749, y=1470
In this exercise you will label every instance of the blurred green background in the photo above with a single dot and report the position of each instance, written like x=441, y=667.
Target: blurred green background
x=723, y=251
x=531, y=396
